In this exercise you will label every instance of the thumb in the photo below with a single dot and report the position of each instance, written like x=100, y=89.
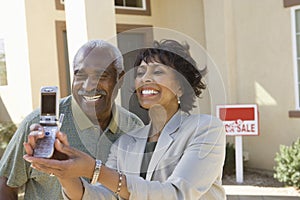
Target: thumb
x=62, y=138
x=65, y=149
x=61, y=147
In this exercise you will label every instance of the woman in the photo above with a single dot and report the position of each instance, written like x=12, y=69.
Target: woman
x=177, y=156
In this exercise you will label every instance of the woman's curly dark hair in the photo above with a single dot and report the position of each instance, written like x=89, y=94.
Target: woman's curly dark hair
x=177, y=56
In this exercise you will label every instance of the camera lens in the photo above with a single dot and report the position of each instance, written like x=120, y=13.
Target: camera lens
x=47, y=133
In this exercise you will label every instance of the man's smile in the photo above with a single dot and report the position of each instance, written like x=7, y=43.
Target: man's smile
x=92, y=98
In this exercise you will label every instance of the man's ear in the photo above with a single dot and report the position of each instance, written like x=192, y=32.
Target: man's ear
x=121, y=79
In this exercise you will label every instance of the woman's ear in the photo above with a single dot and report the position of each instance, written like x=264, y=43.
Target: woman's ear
x=179, y=92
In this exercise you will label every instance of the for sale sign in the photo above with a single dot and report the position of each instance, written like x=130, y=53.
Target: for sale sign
x=239, y=119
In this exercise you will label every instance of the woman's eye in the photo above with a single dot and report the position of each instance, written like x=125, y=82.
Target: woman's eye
x=157, y=72
x=102, y=76
x=140, y=73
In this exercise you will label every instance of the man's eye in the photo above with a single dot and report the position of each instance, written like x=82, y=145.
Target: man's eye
x=80, y=76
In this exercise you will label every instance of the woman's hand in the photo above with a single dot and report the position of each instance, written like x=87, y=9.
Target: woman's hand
x=37, y=132
x=77, y=164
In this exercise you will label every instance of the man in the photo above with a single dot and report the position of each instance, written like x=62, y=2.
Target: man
x=92, y=121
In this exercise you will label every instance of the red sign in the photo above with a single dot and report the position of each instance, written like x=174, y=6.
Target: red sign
x=239, y=119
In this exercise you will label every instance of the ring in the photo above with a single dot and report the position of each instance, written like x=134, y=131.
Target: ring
x=51, y=174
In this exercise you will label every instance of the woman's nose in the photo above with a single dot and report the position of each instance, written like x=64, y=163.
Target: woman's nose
x=147, y=77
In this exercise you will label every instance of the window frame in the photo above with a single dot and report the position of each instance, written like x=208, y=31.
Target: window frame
x=119, y=9
x=63, y=65
x=59, y=5
x=135, y=11
x=295, y=57
x=5, y=81
x=289, y=3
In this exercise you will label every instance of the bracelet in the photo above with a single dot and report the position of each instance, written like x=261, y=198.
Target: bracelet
x=96, y=171
x=119, y=183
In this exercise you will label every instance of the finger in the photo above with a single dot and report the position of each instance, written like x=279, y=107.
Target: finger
x=63, y=138
x=35, y=127
x=65, y=149
x=28, y=148
x=44, y=169
x=50, y=170
x=34, y=136
x=47, y=163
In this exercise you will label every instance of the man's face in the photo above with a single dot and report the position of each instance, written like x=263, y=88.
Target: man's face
x=94, y=84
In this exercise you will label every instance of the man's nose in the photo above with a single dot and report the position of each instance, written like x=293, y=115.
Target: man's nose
x=90, y=83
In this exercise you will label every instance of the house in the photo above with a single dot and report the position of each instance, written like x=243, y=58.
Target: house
x=251, y=49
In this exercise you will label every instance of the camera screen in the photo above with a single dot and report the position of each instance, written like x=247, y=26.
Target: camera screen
x=48, y=106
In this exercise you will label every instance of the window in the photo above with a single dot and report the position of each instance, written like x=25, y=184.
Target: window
x=130, y=3
x=3, y=75
x=136, y=7
x=59, y=4
x=289, y=3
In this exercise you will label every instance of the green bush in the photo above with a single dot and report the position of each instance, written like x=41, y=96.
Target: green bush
x=7, y=130
x=287, y=169
x=229, y=164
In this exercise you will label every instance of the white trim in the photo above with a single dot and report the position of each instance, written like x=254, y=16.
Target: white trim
x=129, y=8
x=295, y=59
x=133, y=8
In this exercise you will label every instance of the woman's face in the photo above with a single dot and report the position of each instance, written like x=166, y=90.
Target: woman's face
x=156, y=83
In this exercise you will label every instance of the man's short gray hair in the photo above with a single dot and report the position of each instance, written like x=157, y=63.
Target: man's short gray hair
x=115, y=56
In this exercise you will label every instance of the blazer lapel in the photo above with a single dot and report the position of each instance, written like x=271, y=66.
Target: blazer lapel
x=135, y=151
x=165, y=140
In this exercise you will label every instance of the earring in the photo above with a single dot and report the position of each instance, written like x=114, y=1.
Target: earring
x=178, y=100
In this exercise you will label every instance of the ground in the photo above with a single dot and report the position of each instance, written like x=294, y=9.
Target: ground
x=254, y=178
x=259, y=183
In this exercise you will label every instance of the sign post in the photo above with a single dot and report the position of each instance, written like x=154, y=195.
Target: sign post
x=239, y=159
x=239, y=120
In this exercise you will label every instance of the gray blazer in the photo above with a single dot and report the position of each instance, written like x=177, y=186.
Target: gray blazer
x=186, y=164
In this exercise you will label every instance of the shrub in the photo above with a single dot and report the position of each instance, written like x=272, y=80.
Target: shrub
x=287, y=169
x=229, y=164
x=7, y=130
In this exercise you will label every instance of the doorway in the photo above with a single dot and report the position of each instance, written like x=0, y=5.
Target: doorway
x=63, y=60
x=131, y=38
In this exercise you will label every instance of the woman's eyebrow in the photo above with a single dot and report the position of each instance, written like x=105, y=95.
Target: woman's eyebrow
x=151, y=65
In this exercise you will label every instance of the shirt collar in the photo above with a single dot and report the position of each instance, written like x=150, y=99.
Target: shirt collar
x=113, y=124
x=84, y=122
